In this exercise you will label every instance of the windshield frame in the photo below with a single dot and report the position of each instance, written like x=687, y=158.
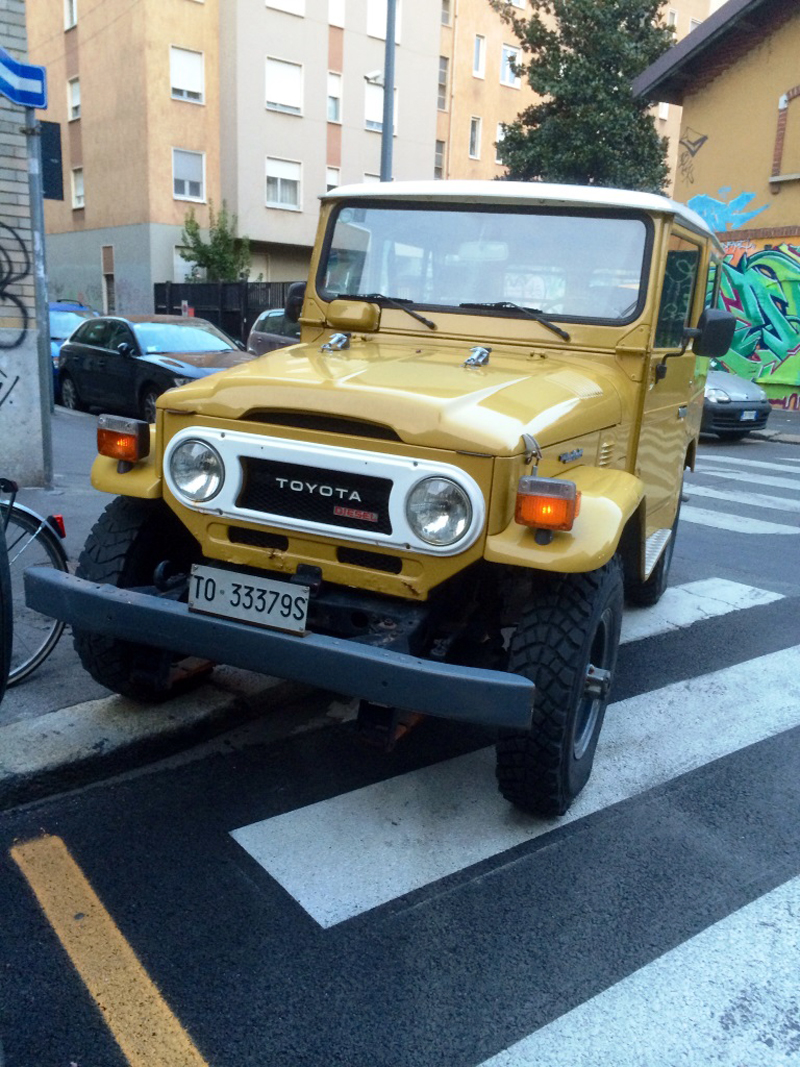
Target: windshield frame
x=505, y=208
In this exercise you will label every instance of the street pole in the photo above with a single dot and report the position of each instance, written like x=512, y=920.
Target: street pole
x=387, y=133
x=33, y=134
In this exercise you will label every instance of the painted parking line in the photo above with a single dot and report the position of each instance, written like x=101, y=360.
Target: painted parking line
x=342, y=857
x=130, y=1004
x=726, y=996
x=723, y=520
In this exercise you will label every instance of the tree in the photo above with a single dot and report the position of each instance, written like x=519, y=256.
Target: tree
x=224, y=257
x=587, y=128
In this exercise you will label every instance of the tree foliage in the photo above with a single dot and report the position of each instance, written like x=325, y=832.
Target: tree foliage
x=224, y=257
x=587, y=127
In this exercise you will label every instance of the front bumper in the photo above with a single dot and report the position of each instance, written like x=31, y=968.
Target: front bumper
x=446, y=690
x=736, y=416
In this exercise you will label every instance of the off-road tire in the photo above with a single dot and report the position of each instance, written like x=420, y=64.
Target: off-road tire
x=643, y=594
x=571, y=621
x=127, y=542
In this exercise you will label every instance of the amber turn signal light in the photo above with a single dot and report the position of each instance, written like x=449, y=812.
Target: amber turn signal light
x=546, y=503
x=124, y=439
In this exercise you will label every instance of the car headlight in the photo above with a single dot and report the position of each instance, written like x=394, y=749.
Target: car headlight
x=762, y=394
x=717, y=396
x=197, y=470
x=438, y=511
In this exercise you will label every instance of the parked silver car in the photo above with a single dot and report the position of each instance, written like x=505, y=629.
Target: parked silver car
x=272, y=330
x=733, y=406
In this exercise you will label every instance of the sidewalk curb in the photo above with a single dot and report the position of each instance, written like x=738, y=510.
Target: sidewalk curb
x=81, y=744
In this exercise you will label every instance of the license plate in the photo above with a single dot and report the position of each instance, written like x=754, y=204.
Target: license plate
x=275, y=605
x=747, y=416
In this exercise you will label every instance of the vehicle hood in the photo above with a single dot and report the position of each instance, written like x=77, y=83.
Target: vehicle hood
x=736, y=387
x=425, y=394
x=196, y=364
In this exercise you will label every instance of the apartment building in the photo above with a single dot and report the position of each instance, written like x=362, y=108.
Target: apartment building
x=167, y=106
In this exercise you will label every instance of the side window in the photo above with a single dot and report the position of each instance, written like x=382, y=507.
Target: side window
x=119, y=334
x=680, y=278
x=94, y=333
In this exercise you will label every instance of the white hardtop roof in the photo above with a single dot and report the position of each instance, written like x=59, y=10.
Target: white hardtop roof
x=535, y=194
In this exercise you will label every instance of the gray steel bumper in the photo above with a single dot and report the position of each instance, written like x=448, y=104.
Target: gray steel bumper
x=466, y=694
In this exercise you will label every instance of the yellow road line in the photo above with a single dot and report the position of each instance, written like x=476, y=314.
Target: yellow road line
x=131, y=1005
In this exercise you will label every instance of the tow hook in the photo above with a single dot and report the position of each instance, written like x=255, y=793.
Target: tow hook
x=383, y=726
x=597, y=683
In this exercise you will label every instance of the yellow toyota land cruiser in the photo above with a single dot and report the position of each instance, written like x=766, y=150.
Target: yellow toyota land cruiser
x=437, y=500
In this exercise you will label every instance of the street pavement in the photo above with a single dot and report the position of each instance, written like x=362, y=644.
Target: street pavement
x=60, y=729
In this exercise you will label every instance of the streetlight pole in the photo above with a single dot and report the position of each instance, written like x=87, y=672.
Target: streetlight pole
x=387, y=132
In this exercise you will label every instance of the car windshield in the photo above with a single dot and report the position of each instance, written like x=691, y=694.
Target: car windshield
x=162, y=337
x=567, y=263
x=62, y=323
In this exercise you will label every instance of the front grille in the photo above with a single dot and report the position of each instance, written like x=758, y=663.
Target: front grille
x=307, y=494
x=338, y=424
x=258, y=538
x=731, y=419
x=375, y=561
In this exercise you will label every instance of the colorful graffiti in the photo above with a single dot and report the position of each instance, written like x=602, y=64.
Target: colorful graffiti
x=762, y=288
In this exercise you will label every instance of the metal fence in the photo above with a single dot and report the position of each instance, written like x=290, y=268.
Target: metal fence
x=233, y=306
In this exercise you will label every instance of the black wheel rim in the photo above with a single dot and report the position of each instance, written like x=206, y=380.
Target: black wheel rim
x=590, y=706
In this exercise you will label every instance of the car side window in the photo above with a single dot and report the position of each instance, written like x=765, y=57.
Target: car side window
x=119, y=334
x=95, y=333
x=680, y=277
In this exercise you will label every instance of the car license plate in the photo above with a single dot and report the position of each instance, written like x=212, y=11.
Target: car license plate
x=276, y=605
x=747, y=416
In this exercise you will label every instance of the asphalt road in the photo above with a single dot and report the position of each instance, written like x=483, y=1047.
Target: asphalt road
x=298, y=899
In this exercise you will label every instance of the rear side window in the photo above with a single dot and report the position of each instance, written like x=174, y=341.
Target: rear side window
x=94, y=333
x=680, y=279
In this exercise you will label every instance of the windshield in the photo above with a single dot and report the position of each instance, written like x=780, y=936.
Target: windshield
x=62, y=323
x=566, y=263
x=161, y=337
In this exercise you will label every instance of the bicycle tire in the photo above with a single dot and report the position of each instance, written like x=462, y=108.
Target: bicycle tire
x=31, y=543
x=5, y=613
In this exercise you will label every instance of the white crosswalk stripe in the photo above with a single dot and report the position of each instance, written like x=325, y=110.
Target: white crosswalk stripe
x=736, y=523
x=752, y=477
x=726, y=997
x=760, y=479
x=752, y=500
x=730, y=461
x=344, y=856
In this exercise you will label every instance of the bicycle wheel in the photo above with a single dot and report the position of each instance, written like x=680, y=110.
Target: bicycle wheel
x=5, y=613
x=31, y=543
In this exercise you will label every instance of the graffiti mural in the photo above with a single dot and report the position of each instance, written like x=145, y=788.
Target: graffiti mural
x=14, y=267
x=762, y=289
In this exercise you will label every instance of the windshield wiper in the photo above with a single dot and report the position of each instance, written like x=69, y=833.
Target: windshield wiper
x=392, y=302
x=531, y=313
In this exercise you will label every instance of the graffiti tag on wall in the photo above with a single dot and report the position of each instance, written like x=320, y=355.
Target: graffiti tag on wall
x=762, y=289
x=725, y=215
x=14, y=266
x=690, y=144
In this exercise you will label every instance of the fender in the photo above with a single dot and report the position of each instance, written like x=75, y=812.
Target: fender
x=608, y=499
x=142, y=480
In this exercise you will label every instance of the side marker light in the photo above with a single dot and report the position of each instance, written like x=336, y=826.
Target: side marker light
x=546, y=503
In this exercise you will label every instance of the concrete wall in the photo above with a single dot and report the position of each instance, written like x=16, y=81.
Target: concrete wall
x=24, y=451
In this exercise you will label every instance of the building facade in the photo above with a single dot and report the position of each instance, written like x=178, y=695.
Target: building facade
x=739, y=167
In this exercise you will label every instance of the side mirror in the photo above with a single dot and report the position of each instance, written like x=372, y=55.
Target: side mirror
x=714, y=334
x=294, y=301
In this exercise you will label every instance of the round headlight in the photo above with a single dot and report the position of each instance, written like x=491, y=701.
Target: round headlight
x=197, y=470
x=438, y=511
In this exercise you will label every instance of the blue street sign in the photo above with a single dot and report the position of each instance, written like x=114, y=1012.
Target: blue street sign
x=22, y=83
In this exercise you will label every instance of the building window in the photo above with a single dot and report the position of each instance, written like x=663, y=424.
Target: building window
x=188, y=175
x=376, y=19
x=283, y=183
x=294, y=7
x=444, y=71
x=663, y=110
x=438, y=160
x=694, y=23
x=70, y=14
x=186, y=75
x=672, y=19
x=507, y=73
x=445, y=12
x=332, y=178
x=284, y=86
x=77, y=187
x=336, y=13
x=334, y=97
x=74, y=98
x=500, y=137
x=373, y=107
x=474, y=138
x=479, y=56
x=372, y=178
